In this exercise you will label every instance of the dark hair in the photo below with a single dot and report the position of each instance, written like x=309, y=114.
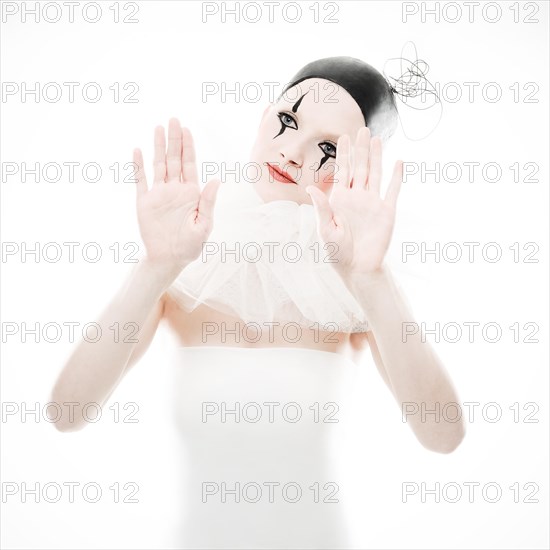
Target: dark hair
x=368, y=87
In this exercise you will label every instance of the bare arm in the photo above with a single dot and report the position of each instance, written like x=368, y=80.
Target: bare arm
x=360, y=222
x=175, y=219
x=414, y=373
x=94, y=369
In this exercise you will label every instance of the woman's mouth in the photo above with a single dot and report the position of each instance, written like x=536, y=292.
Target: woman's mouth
x=279, y=175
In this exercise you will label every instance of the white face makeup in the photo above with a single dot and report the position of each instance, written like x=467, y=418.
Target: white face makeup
x=297, y=137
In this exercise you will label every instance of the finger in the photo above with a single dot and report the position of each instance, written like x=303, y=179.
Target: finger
x=375, y=164
x=323, y=211
x=173, y=154
x=188, y=163
x=361, y=159
x=141, y=180
x=159, y=162
x=395, y=184
x=341, y=174
x=207, y=201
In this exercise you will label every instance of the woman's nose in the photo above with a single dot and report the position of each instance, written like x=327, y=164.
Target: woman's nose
x=292, y=155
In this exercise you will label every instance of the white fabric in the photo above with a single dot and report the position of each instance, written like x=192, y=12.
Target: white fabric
x=262, y=282
x=259, y=448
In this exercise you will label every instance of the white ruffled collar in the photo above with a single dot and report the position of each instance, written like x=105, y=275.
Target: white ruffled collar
x=288, y=280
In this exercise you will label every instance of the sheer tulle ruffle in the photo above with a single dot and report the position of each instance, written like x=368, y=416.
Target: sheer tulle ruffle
x=264, y=262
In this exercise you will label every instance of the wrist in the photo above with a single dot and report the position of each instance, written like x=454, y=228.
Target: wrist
x=371, y=277
x=159, y=274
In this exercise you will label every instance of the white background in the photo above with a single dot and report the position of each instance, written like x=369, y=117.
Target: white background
x=169, y=53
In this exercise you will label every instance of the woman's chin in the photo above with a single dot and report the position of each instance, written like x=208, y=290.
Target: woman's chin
x=274, y=190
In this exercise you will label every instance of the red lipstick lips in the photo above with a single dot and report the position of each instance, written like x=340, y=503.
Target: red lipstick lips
x=279, y=175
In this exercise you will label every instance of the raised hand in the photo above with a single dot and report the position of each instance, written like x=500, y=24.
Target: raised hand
x=175, y=218
x=355, y=217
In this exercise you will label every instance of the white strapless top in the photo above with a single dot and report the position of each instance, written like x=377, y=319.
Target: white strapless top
x=262, y=438
x=264, y=262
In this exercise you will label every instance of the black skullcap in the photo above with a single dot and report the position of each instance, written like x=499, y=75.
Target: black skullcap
x=368, y=87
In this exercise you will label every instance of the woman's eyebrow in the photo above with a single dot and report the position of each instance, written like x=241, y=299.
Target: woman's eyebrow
x=332, y=136
x=297, y=104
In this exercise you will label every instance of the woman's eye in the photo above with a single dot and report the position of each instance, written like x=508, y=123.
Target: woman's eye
x=287, y=120
x=328, y=148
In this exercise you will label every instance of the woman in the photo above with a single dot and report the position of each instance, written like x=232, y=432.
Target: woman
x=308, y=190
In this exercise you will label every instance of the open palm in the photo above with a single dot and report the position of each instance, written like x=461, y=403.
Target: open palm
x=175, y=218
x=355, y=217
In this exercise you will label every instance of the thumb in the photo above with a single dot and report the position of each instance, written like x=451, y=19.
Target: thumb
x=323, y=211
x=207, y=199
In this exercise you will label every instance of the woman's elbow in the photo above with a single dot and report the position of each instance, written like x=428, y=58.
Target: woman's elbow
x=446, y=443
x=62, y=413
x=65, y=426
